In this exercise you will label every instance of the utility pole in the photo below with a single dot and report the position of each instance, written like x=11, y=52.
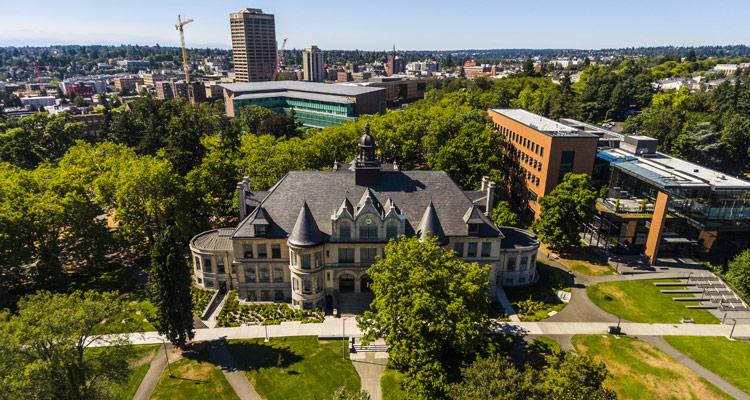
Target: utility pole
x=185, y=66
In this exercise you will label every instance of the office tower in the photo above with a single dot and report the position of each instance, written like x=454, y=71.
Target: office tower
x=253, y=45
x=312, y=64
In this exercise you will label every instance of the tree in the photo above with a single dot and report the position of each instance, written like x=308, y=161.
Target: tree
x=169, y=288
x=432, y=310
x=503, y=214
x=45, y=349
x=494, y=378
x=738, y=274
x=250, y=118
x=565, y=212
x=575, y=377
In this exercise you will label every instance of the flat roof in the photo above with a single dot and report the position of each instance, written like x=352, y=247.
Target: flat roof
x=300, y=86
x=540, y=123
x=666, y=171
x=298, y=95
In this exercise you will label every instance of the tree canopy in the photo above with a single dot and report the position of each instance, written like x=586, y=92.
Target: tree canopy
x=565, y=211
x=432, y=310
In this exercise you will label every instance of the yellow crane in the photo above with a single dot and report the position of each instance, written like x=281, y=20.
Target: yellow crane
x=185, y=66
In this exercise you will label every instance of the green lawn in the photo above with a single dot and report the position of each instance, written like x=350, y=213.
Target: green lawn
x=726, y=358
x=535, y=302
x=390, y=384
x=641, y=301
x=639, y=370
x=295, y=367
x=584, y=261
x=194, y=378
x=139, y=360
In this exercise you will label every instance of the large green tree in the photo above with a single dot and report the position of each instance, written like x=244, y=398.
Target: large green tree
x=565, y=211
x=169, y=288
x=738, y=273
x=46, y=348
x=432, y=310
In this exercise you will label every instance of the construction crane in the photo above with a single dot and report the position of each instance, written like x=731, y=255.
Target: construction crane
x=279, y=57
x=185, y=66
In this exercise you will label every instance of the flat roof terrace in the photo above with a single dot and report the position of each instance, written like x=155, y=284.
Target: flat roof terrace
x=542, y=124
x=300, y=87
x=667, y=171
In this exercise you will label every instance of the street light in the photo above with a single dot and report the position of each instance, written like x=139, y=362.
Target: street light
x=166, y=354
x=266, y=339
x=343, y=337
x=733, y=326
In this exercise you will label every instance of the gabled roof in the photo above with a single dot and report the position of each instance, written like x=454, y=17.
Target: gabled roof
x=345, y=207
x=390, y=207
x=368, y=199
x=325, y=191
x=246, y=228
x=430, y=226
x=305, y=232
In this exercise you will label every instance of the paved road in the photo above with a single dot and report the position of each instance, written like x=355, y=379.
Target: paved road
x=727, y=387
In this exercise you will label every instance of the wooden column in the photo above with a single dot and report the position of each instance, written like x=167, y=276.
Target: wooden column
x=657, y=227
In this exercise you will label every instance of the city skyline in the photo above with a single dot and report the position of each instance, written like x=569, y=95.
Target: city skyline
x=581, y=24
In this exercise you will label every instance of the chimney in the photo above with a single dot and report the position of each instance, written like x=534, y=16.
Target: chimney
x=490, y=198
x=485, y=179
x=241, y=198
x=246, y=183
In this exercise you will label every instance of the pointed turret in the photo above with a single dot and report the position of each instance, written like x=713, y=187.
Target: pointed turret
x=305, y=232
x=430, y=226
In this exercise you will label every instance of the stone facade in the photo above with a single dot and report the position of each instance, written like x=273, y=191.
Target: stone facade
x=309, y=260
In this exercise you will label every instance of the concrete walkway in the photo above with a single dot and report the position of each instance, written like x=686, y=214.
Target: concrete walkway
x=332, y=327
x=370, y=367
x=727, y=387
x=155, y=371
x=507, y=306
x=237, y=379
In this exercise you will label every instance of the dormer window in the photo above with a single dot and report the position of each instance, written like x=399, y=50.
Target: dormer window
x=473, y=228
x=368, y=231
x=391, y=231
x=345, y=231
x=260, y=229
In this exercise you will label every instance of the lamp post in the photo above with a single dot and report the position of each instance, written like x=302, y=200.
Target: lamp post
x=343, y=337
x=733, y=326
x=166, y=354
x=266, y=339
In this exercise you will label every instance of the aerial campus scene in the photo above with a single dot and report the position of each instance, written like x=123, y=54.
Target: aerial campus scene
x=364, y=201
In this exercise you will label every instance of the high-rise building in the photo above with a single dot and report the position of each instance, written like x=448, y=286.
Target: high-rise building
x=312, y=64
x=253, y=45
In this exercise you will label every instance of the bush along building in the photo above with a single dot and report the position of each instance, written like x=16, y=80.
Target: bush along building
x=313, y=235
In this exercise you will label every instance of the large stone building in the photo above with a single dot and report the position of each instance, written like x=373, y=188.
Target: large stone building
x=253, y=45
x=313, y=235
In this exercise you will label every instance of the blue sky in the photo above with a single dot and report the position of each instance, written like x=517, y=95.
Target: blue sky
x=377, y=25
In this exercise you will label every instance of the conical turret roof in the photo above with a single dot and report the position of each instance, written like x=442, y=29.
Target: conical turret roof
x=305, y=232
x=430, y=226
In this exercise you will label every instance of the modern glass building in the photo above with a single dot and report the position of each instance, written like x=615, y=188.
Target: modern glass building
x=313, y=104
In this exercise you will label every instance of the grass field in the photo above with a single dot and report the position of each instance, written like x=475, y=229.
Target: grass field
x=194, y=378
x=584, y=261
x=138, y=359
x=295, y=367
x=726, y=358
x=639, y=370
x=535, y=302
x=390, y=384
x=641, y=301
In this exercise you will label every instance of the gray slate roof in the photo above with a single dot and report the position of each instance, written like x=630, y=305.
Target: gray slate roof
x=216, y=239
x=515, y=238
x=305, y=232
x=324, y=192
